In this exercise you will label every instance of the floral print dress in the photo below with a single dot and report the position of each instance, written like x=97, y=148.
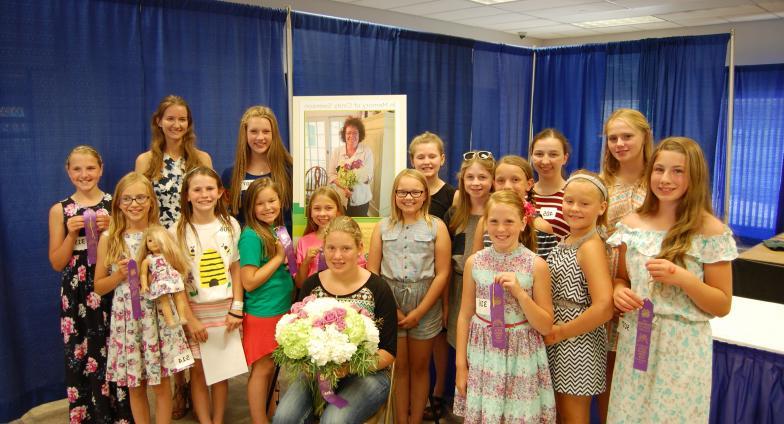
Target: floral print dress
x=143, y=350
x=167, y=189
x=677, y=385
x=511, y=385
x=84, y=324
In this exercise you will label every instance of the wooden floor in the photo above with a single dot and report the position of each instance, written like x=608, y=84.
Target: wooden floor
x=236, y=413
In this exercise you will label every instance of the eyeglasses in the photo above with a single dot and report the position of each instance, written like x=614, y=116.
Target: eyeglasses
x=481, y=154
x=141, y=199
x=415, y=194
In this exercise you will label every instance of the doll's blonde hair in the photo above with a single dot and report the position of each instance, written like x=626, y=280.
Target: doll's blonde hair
x=169, y=248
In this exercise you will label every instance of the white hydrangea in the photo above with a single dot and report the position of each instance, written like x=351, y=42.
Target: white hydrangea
x=329, y=345
x=316, y=308
x=371, y=332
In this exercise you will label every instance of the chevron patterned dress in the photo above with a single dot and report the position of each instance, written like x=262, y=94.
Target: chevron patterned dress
x=676, y=388
x=578, y=364
x=512, y=385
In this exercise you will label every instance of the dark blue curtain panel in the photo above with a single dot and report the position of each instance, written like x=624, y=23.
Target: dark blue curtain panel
x=501, y=99
x=92, y=72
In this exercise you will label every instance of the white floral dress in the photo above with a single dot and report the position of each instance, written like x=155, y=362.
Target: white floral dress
x=142, y=350
x=677, y=385
x=167, y=189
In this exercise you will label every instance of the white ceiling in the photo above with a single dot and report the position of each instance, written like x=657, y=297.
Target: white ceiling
x=553, y=19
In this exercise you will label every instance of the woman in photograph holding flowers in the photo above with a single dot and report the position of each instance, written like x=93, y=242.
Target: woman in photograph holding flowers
x=350, y=168
x=363, y=384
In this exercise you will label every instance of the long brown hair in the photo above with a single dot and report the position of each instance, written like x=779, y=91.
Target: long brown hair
x=636, y=120
x=509, y=197
x=186, y=208
x=153, y=172
x=462, y=211
x=329, y=193
x=690, y=213
x=552, y=133
x=117, y=222
x=278, y=157
x=396, y=215
x=528, y=170
x=170, y=249
x=268, y=239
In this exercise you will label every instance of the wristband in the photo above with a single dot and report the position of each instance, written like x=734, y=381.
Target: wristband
x=237, y=305
x=235, y=315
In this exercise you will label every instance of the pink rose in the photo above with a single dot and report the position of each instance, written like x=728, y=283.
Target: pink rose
x=64, y=302
x=73, y=394
x=330, y=316
x=93, y=300
x=340, y=312
x=66, y=328
x=79, y=351
x=309, y=298
x=70, y=210
x=78, y=414
x=82, y=273
x=297, y=307
x=72, y=262
x=92, y=365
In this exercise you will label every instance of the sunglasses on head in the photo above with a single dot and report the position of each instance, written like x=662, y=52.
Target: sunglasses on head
x=481, y=154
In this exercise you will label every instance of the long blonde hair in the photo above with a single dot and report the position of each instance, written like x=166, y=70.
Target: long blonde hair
x=459, y=220
x=397, y=215
x=158, y=142
x=170, y=249
x=636, y=120
x=601, y=220
x=509, y=197
x=117, y=222
x=329, y=193
x=690, y=213
x=278, y=157
x=186, y=208
x=268, y=239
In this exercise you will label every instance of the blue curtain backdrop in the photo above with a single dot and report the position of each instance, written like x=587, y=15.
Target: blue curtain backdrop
x=92, y=72
x=501, y=99
x=569, y=96
x=757, y=153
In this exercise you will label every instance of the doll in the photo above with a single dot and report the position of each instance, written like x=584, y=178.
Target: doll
x=164, y=266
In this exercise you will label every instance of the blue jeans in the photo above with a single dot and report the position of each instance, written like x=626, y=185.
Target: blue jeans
x=365, y=395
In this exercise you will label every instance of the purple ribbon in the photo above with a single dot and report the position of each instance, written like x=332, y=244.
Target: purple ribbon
x=91, y=235
x=135, y=284
x=322, y=261
x=328, y=394
x=497, y=323
x=642, y=345
x=288, y=248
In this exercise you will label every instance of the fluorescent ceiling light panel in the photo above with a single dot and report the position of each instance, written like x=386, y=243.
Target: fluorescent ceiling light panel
x=492, y=1
x=618, y=22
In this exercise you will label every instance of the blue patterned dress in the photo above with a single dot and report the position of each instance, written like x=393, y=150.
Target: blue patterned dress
x=677, y=385
x=512, y=385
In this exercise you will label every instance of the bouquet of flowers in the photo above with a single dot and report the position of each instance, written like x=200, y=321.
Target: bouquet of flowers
x=347, y=173
x=322, y=336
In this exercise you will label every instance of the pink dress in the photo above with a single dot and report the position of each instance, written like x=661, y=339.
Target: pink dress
x=164, y=279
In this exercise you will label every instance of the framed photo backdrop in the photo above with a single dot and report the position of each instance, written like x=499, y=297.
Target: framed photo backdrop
x=319, y=151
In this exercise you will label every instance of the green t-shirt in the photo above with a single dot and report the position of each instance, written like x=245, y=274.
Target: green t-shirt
x=273, y=297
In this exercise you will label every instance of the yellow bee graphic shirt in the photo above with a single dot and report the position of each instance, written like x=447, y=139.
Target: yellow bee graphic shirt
x=212, y=249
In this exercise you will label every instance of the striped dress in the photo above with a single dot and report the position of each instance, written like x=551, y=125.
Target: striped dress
x=550, y=207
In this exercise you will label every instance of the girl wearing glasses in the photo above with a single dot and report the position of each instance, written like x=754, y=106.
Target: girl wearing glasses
x=549, y=153
x=410, y=250
x=84, y=319
x=131, y=363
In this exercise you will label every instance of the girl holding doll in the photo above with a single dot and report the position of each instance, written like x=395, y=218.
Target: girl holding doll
x=90, y=396
x=582, y=300
x=347, y=281
x=268, y=288
x=549, y=152
x=410, y=250
x=324, y=206
x=141, y=351
x=210, y=236
x=674, y=275
x=504, y=376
